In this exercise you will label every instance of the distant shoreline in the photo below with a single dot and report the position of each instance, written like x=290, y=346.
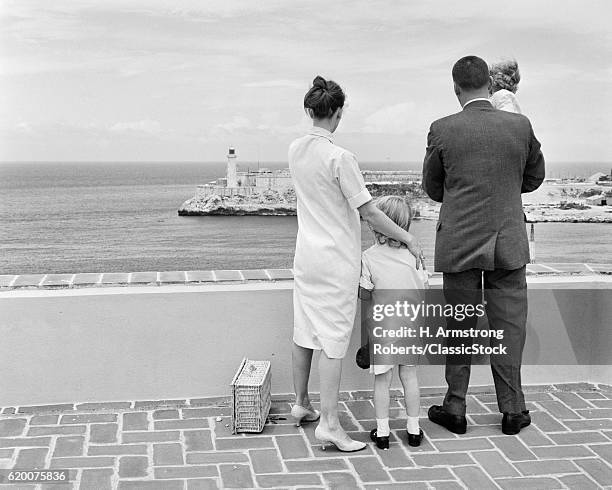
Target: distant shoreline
x=535, y=213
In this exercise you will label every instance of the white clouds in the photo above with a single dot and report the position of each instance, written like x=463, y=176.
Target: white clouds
x=144, y=126
x=167, y=71
x=235, y=124
x=269, y=124
x=24, y=127
x=281, y=83
x=394, y=119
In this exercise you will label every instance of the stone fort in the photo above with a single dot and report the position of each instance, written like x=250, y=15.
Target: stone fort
x=250, y=182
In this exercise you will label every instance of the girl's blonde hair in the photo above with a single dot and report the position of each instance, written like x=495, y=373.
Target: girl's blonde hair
x=505, y=75
x=398, y=209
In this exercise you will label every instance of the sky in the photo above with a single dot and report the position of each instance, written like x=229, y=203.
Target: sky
x=174, y=80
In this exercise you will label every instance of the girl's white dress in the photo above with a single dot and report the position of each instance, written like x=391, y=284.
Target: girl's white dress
x=392, y=269
x=505, y=100
x=329, y=189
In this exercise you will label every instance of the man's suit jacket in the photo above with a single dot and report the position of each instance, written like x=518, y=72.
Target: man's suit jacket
x=477, y=164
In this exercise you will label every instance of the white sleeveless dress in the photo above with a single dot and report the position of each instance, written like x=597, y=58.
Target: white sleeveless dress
x=329, y=189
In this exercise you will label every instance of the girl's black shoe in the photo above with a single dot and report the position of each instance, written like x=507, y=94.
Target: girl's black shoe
x=414, y=440
x=381, y=442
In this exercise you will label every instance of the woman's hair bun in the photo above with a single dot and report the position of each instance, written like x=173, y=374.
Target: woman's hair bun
x=319, y=82
x=324, y=98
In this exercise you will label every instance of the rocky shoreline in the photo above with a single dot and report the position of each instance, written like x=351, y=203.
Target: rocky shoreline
x=268, y=203
x=547, y=213
x=225, y=206
x=194, y=209
x=277, y=203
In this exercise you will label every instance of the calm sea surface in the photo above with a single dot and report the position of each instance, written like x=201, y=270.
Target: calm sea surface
x=106, y=217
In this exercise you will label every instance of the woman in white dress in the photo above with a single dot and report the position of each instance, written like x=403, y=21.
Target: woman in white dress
x=331, y=194
x=505, y=78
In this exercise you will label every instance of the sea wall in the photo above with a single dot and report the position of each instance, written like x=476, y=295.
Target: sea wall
x=149, y=335
x=207, y=190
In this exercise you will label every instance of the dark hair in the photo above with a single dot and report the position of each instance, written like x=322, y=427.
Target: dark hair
x=505, y=74
x=324, y=97
x=471, y=73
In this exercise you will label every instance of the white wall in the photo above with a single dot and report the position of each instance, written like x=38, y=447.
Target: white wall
x=165, y=342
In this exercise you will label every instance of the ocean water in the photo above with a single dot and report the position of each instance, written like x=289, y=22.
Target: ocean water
x=107, y=217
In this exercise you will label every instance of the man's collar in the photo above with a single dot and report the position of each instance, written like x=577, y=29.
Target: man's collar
x=477, y=99
x=324, y=133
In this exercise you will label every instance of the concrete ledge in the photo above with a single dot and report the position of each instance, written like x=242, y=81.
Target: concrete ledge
x=184, y=340
x=153, y=278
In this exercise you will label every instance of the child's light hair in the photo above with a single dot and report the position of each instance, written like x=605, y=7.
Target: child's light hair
x=505, y=75
x=398, y=209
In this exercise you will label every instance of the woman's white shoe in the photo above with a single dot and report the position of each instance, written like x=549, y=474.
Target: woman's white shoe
x=345, y=444
x=301, y=414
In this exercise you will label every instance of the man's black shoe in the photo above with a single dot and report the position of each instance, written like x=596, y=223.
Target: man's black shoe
x=454, y=423
x=512, y=423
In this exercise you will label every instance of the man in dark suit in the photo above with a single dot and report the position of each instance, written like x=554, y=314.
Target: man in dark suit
x=477, y=164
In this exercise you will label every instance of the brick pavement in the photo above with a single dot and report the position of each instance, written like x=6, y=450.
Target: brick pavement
x=186, y=444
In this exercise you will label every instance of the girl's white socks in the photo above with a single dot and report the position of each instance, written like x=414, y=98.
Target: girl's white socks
x=412, y=425
x=382, y=427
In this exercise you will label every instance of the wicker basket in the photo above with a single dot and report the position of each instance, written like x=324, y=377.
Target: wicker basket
x=251, y=396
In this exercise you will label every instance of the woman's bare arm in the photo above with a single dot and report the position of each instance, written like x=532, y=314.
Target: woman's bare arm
x=380, y=222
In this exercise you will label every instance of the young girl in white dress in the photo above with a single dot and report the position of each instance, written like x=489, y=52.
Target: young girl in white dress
x=505, y=77
x=389, y=266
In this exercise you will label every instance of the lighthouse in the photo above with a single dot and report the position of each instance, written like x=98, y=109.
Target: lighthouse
x=232, y=179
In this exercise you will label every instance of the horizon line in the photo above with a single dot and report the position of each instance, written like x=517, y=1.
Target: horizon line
x=554, y=162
